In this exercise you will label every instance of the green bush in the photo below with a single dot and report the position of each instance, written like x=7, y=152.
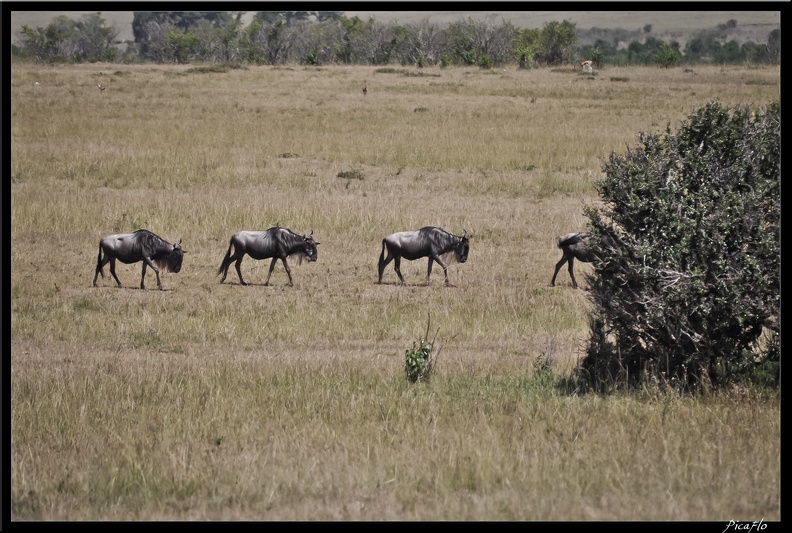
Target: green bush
x=419, y=360
x=687, y=289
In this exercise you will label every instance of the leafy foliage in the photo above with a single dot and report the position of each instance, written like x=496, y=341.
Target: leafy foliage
x=667, y=56
x=157, y=32
x=559, y=40
x=526, y=43
x=688, y=286
x=419, y=360
x=417, y=363
x=86, y=39
x=327, y=37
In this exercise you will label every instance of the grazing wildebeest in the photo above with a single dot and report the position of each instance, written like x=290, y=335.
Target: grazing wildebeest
x=574, y=246
x=276, y=242
x=435, y=243
x=139, y=246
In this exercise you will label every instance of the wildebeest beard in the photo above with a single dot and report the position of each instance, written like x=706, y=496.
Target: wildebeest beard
x=171, y=262
x=449, y=258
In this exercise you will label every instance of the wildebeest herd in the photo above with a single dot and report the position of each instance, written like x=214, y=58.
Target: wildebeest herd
x=437, y=244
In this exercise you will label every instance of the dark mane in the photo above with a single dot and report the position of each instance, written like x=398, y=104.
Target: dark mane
x=429, y=230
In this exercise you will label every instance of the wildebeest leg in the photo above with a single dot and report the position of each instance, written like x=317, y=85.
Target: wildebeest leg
x=571, y=273
x=147, y=261
x=429, y=272
x=239, y=272
x=271, y=268
x=557, y=268
x=445, y=270
x=226, y=263
x=288, y=271
x=100, y=263
x=383, y=262
x=397, y=268
x=112, y=271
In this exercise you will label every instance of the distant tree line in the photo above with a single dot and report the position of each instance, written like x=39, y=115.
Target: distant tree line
x=327, y=38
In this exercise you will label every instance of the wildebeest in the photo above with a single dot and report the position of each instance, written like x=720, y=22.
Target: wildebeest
x=141, y=245
x=435, y=243
x=574, y=246
x=276, y=242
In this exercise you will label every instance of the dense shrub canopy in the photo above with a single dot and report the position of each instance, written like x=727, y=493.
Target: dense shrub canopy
x=688, y=286
x=329, y=37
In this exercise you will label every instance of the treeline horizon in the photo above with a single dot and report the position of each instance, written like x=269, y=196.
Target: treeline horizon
x=331, y=38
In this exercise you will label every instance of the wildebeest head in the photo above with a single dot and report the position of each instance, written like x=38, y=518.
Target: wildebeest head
x=175, y=258
x=462, y=248
x=311, y=252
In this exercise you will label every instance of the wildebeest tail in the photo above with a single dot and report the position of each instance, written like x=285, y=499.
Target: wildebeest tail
x=226, y=259
x=570, y=238
x=99, y=262
x=382, y=253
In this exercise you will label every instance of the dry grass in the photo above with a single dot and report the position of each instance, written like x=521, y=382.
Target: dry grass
x=224, y=402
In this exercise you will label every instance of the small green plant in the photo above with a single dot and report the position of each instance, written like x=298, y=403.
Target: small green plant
x=419, y=360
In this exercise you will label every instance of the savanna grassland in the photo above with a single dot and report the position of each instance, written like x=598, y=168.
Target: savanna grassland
x=205, y=401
